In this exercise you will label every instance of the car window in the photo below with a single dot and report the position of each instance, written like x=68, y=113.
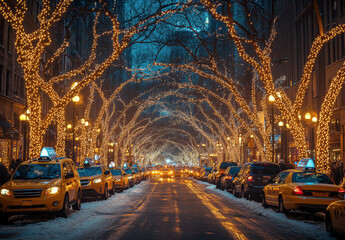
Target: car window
x=234, y=170
x=283, y=177
x=90, y=171
x=69, y=168
x=265, y=169
x=64, y=169
x=38, y=171
x=311, y=178
x=128, y=171
x=116, y=172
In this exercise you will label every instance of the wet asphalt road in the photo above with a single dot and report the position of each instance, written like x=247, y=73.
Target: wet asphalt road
x=184, y=209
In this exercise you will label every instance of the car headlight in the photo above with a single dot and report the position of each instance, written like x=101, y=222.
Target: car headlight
x=97, y=180
x=52, y=190
x=130, y=177
x=5, y=192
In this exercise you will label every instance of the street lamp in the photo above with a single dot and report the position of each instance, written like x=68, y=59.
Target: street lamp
x=240, y=142
x=75, y=100
x=271, y=99
x=311, y=120
x=24, y=118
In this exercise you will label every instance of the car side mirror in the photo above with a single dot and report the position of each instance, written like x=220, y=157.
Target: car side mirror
x=107, y=172
x=69, y=175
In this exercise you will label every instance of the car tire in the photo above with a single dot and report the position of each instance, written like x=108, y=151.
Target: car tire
x=65, y=208
x=113, y=190
x=77, y=204
x=105, y=194
x=281, y=206
x=328, y=223
x=234, y=192
x=264, y=204
x=243, y=194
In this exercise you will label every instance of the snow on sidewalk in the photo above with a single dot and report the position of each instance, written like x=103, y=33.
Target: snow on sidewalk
x=314, y=231
x=94, y=216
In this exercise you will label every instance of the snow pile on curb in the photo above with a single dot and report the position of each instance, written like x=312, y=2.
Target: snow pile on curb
x=310, y=230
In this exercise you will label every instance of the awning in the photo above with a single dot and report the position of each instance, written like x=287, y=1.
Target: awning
x=7, y=131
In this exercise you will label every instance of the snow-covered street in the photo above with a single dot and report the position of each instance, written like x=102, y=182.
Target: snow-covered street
x=179, y=209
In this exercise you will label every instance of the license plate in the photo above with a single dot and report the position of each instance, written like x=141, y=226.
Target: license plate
x=321, y=194
x=26, y=203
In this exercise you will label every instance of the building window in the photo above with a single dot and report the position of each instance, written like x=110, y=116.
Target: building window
x=9, y=39
x=2, y=29
x=8, y=83
x=1, y=77
x=334, y=10
x=341, y=8
x=38, y=10
x=342, y=46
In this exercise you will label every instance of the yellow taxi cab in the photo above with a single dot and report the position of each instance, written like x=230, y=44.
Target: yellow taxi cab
x=46, y=184
x=335, y=215
x=120, y=179
x=300, y=189
x=96, y=180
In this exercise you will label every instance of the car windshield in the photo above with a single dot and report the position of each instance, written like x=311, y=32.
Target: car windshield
x=234, y=170
x=116, y=172
x=128, y=171
x=265, y=169
x=224, y=165
x=303, y=177
x=90, y=171
x=135, y=170
x=38, y=171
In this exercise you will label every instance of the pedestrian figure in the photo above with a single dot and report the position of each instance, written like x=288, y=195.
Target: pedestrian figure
x=282, y=164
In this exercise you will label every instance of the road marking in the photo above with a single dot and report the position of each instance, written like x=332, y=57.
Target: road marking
x=229, y=226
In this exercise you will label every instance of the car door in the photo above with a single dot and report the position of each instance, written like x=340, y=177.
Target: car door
x=73, y=185
x=276, y=188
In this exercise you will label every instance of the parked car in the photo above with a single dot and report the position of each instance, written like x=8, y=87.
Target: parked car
x=335, y=216
x=178, y=172
x=212, y=175
x=223, y=166
x=41, y=185
x=120, y=179
x=206, y=171
x=131, y=177
x=296, y=189
x=96, y=180
x=230, y=174
x=252, y=178
x=167, y=173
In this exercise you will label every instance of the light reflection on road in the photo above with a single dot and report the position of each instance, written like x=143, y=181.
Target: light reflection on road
x=229, y=226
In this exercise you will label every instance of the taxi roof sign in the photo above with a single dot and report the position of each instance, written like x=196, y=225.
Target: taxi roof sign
x=306, y=164
x=47, y=153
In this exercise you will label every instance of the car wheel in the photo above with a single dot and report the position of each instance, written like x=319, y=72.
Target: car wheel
x=77, y=204
x=281, y=206
x=234, y=191
x=264, y=204
x=113, y=190
x=105, y=194
x=328, y=223
x=65, y=208
x=243, y=194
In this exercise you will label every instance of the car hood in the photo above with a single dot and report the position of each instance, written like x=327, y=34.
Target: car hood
x=117, y=177
x=90, y=177
x=31, y=184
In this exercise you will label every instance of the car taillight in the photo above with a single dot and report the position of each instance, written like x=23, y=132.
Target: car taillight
x=228, y=177
x=297, y=191
x=341, y=190
x=250, y=178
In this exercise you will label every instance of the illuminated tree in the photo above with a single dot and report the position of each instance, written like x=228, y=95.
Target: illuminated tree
x=32, y=46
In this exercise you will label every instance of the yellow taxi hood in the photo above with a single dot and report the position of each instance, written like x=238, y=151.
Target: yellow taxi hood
x=117, y=177
x=30, y=184
x=318, y=186
x=90, y=177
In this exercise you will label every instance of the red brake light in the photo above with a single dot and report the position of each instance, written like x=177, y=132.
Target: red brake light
x=297, y=191
x=250, y=178
x=341, y=190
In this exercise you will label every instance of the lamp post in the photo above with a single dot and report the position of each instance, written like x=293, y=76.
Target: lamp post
x=311, y=120
x=271, y=99
x=75, y=100
x=24, y=118
x=240, y=142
